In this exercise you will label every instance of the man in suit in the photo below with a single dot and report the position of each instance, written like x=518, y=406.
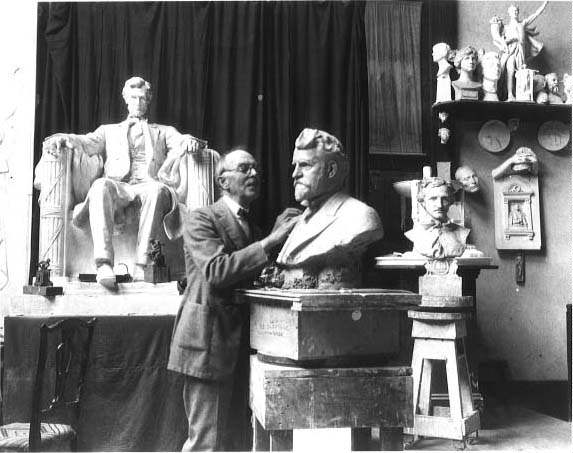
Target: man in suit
x=134, y=153
x=223, y=251
x=326, y=246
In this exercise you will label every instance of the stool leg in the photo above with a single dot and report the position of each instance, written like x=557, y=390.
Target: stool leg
x=452, y=373
x=425, y=387
x=465, y=385
x=261, y=437
x=417, y=362
x=281, y=440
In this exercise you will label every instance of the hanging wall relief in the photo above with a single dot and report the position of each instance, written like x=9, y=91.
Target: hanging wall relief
x=516, y=202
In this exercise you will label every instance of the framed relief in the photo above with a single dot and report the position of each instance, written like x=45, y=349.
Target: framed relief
x=516, y=202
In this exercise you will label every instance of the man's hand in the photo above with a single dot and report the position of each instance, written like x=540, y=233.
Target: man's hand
x=284, y=216
x=190, y=144
x=54, y=144
x=284, y=224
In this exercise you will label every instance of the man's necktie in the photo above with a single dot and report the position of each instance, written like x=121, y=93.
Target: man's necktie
x=244, y=214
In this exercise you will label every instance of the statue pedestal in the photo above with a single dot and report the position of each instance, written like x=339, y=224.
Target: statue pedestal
x=92, y=299
x=338, y=327
x=156, y=274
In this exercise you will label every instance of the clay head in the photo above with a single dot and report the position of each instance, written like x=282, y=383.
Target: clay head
x=320, y=166
x=468, y=178
x=466, y=59
x=239, y=176
x=436, y=196
x=513, y=11
x=440, y=51
x=137, y=96
x=491, y=65
x=552, y=82
x=444, y=134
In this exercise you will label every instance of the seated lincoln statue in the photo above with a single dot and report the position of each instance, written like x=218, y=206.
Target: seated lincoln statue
x=123, y=163
x=325, y=247
x=434, y=235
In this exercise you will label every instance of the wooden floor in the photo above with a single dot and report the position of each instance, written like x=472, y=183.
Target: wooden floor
x=512, y=428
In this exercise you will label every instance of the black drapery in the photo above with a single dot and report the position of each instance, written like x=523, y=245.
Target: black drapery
x=249, y=74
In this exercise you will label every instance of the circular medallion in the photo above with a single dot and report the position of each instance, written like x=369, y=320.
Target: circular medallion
x=494, y=136
x=553, y=135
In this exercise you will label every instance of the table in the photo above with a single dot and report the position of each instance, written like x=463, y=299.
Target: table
x=131, y=401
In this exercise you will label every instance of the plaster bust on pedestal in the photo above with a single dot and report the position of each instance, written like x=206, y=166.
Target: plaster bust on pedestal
x=440, y=54
x=325, y=247
x=465, y=62
x=434, y=235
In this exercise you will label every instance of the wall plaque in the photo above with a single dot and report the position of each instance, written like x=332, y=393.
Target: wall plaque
x=553, y=135
x=494, y=136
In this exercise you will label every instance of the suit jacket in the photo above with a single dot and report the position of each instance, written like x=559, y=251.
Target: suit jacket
x=219, y=258
x=342, y=227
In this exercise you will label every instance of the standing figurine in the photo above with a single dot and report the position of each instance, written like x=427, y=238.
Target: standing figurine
x=155, y=253
x=491, y=69
x=440, y=54
x=516, y=41
x=43, y=274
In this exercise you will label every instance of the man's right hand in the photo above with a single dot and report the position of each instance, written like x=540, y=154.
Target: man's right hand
x=54, y=144
x=284, y=224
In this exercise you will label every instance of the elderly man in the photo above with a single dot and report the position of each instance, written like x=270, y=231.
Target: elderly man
x=435, y=236
x=325, y=248
x=134, y=153
x=223, y=251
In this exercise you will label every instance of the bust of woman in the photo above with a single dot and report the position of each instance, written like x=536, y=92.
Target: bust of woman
x=465, y=61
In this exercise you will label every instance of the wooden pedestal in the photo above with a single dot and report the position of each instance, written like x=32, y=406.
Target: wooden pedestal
x=329, y=328
x=286, y=398
x=440, y=337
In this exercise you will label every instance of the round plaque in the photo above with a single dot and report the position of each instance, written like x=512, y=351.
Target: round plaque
x=494, y=136
x=553, y=135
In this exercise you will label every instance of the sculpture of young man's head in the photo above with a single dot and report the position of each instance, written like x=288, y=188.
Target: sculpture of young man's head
x=440, y=51
x=491, y=65
x=137, y=96
x=320, y=166
x=436, y=195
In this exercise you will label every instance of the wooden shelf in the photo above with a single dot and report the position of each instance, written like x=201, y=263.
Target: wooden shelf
x=485, y=110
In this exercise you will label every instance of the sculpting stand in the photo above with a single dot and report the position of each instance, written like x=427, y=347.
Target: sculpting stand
x=440, y=337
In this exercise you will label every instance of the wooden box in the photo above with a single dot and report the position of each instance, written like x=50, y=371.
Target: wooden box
x=286, y=397
x=343, y=327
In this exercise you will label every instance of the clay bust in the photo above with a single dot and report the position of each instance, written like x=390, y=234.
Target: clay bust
x=551, y=93
x=465, y=61
x=120, y=164
x=524, y=161
x=468, y=178
x=325, y=247
x=435, y=236
x=440, y=55
x=516, y=41
x=444, y=134
x=491, y=70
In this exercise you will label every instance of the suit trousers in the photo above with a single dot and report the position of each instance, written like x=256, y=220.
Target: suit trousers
x=207, y=405
x=108, y=195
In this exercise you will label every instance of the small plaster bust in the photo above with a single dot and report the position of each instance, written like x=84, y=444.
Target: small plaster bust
x=441, y=53
x=465, y=61
x=325, y=247
x=435, y=236
x=444, y=134
x=524, y=161
x=552, y=88
x=468, y=178
x=491, y=69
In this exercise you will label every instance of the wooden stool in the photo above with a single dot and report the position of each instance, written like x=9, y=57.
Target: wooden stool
x=437, y=336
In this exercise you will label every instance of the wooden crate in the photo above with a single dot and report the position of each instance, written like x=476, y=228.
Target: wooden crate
x=286, y=398
x=309, y=325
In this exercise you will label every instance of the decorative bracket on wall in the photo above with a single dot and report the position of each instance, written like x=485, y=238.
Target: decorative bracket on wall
x=520, y=268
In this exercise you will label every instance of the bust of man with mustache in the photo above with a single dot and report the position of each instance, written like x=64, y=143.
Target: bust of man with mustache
x=325, y=247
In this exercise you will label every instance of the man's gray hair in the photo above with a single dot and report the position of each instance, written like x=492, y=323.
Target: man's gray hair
x=137, y=83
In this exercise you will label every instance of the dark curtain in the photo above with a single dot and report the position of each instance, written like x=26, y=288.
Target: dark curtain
x=249, y=74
